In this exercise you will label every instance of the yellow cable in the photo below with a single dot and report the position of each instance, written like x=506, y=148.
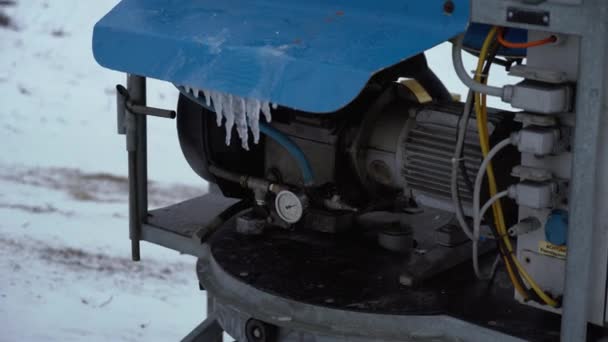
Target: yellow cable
x=482, y=126
x=484, y=142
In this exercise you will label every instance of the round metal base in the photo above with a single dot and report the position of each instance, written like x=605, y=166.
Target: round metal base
x=327, y=287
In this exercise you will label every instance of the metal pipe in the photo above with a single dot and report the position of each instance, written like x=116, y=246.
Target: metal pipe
x=138, y=168
x=136, y=85
x=134, y=227
x=248, y=182
x=150, y=111
x=227, y=175
x=134, y=219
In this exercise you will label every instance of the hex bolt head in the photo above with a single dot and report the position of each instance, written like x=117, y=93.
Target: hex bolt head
x=449, y=7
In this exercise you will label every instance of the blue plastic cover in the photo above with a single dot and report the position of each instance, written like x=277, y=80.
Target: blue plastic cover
x=313, y=55
x=556, y=227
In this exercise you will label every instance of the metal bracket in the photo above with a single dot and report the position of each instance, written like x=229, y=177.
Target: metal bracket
x=124, y=106
x=208, y=331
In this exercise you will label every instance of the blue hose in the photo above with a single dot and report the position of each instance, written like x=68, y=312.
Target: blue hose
x=276, y=135
x=292, y=148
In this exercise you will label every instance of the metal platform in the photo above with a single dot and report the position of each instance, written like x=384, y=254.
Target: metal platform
x=337, y=288
x=173, y=227
x=346, y=286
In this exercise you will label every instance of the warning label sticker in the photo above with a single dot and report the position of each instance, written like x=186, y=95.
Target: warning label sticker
x=549, y=249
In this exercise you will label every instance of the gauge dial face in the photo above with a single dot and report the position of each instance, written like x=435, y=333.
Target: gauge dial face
x=289, y=206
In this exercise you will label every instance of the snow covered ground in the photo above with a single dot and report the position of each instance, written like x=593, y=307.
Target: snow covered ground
x=64, y=252
x=66, y=272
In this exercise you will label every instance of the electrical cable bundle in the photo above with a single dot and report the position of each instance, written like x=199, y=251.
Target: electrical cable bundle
x=517, y=273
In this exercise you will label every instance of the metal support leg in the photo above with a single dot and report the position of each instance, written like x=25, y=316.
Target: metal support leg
x=138, y=169
x=219, y=337
x=587, y=211
x=131, y=112
x=209, y=330
x=136, y=86
x=134, y=221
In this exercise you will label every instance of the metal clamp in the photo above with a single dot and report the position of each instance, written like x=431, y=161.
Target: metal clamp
x=124, y=105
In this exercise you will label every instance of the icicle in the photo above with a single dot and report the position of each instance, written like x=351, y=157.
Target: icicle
x=240, y=118
x=236, y=111
x=266, y=111
x=207, y=95
x=229, y=115
x=217, y=105
x=253, y=118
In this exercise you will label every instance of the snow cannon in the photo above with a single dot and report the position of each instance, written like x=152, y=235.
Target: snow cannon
x=353, y=197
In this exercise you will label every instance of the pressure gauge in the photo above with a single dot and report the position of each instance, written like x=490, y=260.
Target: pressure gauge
x=289, y=206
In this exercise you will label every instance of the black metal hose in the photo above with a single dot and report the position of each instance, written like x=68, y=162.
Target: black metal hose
x=203, y=234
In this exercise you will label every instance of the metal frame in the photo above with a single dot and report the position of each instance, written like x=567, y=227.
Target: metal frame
x=208, y=331
x=138, y=164
x=587, y=237
x=132, y=122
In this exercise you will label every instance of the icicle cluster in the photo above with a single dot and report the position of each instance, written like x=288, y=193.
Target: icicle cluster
x=233, y=110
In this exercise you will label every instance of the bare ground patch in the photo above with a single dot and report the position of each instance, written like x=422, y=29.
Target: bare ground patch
x=81, y=261
x=96, y=187
x=36, y=209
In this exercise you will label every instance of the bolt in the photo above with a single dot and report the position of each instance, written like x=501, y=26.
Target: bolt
x=449, y=7
x=257, y=333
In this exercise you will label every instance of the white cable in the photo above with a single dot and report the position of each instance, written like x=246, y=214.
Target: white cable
x=490, y=202
x=477, y=214
x=470, y=82
x=492, y=269
x=476, y=228
x=462, y=128
x=479, y=179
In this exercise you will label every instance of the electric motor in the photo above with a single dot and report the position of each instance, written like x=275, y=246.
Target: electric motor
x=389, y=145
